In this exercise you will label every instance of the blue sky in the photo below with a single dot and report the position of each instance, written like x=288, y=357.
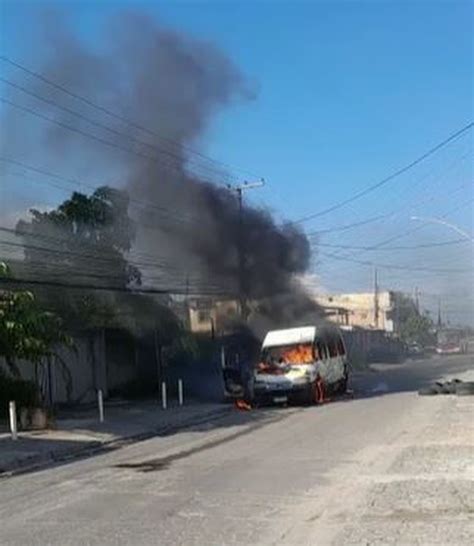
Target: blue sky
x=346, y=93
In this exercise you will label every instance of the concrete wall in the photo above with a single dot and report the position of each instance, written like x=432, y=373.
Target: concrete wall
x=121, y=359
x=86, y=364
x=364, y=346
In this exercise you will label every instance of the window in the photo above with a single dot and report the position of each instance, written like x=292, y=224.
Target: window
x=332, y=346
x=291, y=354
x=203, y=316
x=322, y=350
x=341, y=350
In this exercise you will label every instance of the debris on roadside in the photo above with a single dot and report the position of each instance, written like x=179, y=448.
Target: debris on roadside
x=455, y=386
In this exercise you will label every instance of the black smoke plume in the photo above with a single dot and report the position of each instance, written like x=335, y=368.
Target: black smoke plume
x=169, y=86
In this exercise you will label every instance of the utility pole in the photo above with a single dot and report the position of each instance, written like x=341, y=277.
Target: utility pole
x=376, y=300
x=241, y=273
x=417, y=299
x=440, y=322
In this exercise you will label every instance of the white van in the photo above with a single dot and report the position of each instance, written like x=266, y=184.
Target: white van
x=294, y=361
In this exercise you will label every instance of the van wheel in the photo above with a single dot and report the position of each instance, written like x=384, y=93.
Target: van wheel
x=342, y=386
x=306, y=397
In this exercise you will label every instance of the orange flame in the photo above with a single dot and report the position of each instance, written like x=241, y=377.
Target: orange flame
x=242, y=405
x=301, y=354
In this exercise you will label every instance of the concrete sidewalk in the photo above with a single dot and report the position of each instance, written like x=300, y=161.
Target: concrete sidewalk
x=80, y=434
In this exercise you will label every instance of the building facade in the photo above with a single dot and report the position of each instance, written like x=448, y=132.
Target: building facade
x=365, y=310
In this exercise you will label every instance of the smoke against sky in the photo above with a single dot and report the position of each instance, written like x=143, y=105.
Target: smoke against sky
x=171, y=86
x=328, y=146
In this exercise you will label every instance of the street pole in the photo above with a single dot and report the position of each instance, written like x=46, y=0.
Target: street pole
x=241, y=258
x=100, y=403
x=180, y=392
x=242, y=284
x=376, y=300
x=442, y=222
x=164, y=398
x=13, y=420
x=158, y=359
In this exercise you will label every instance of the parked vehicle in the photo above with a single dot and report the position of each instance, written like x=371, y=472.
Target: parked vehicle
x=450, y=342
x=449, y=348
x=301, y=364
x=415, y=350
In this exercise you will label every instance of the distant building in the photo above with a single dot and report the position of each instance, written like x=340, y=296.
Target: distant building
x=365, y=310
x=208, y=316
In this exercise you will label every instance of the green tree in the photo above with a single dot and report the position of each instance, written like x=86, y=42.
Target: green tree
x=417, y=328
x=85, y=236
x=27, y=331
x=413, y=326
x=82, y=242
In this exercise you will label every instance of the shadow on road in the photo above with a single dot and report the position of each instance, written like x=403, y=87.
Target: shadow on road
x=410, y=376
x=43, y=451
x=143, y=423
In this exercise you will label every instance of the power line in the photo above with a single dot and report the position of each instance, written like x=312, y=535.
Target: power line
x=119, y=117
x=91, y=136
x=399, y=267
x=390, y=248
x=143, y=204
x=164, y=267
x=100, y=258
x=395, y=266
x=349, y=226
x=387, y=179
x=64, y=240
x=175, y=288
x=106, y=127
x=417, y=228
x=395, y=212
x=406, y=232
x=108, y=288
x=386, y=241
x=94, y=271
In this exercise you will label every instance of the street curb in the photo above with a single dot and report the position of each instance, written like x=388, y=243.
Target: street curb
x=95, y=447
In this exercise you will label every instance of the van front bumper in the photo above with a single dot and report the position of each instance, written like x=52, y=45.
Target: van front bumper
x=280, y=394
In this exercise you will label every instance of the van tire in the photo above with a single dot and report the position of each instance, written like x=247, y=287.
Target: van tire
x=309, y=397
x=428, y=391
x=342, y=385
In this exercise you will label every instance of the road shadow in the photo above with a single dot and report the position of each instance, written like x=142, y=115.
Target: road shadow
x=35, y=454
x=409, y=376
x=380, y=380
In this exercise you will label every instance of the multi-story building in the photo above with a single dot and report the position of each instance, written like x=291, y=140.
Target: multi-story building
x=365, y=310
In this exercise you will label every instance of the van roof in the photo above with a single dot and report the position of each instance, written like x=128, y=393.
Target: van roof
x=276, y=338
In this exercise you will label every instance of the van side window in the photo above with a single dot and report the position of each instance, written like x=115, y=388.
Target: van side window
x=316, y=352
x=332, y=345
x=321, y=349
x=340, y=347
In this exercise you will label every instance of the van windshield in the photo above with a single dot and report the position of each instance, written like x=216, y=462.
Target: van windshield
x=301, y=353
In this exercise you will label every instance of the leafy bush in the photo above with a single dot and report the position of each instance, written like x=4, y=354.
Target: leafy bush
x=24, y=393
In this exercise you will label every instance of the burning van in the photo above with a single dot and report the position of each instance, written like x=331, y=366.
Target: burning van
x=303, y=364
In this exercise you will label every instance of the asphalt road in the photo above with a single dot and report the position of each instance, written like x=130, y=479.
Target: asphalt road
x=387, y=467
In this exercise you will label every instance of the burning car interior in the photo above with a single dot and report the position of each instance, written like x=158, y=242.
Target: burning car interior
x=275, y=358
